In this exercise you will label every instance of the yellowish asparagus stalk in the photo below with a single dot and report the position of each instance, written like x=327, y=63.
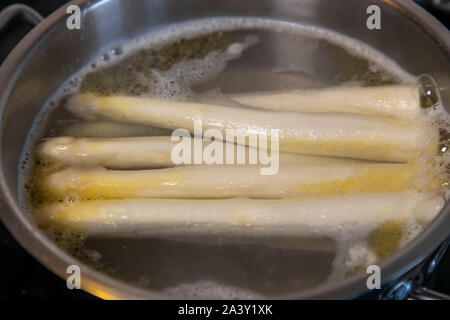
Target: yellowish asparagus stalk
x=328, y=134
x=109, y=129
x=122, y=153
x=300, y=217
x=147, y=152
x=235, y=181
x=387, y=101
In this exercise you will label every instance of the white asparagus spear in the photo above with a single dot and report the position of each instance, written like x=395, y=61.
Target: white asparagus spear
x=339, y=135
x=391, y=101
x=145, y=152
x=236, y=181
x=300, y=217
x=109, y=129
x=122, y=153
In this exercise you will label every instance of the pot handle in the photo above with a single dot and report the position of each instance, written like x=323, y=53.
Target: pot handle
x=423, y=293
x=28, y=14
x=411, y=287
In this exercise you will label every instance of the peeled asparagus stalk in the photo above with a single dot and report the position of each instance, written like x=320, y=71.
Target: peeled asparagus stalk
x=146, y=152
x=109, y=129
x=235, y=181
x=123, y=153
x=329, y=134
x=300, y=217
x=390, y=101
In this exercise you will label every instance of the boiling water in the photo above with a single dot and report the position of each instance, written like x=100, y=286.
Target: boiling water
x=204, y=59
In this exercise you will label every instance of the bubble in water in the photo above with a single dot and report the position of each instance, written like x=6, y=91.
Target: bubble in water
x=117, y=51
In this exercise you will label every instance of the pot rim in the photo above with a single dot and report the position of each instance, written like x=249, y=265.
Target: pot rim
x=101, y=285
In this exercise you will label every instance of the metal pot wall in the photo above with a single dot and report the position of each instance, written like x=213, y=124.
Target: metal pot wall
x=51, y=52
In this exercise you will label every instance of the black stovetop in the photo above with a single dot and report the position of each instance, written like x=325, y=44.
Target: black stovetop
x=21, y=276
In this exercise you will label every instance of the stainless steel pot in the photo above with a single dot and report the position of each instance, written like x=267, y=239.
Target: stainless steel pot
x=50, y=53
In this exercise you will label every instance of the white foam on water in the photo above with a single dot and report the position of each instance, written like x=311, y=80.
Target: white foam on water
x=209, y=290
